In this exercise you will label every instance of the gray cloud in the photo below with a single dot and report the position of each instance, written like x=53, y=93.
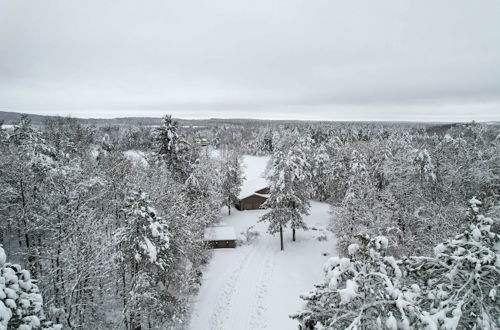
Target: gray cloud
x=321, y=59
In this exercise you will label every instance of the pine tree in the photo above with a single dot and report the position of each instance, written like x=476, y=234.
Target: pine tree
x=355, y=216
x=232, y=178
x=173, y=148
x=363, y=291
x=455, y=289
x=322, y=173
x=143, y=244
x=289, y=185
x=461, y=283
x=21, y=304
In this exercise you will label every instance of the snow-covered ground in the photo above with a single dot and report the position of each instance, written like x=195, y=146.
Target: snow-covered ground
x=257, y=286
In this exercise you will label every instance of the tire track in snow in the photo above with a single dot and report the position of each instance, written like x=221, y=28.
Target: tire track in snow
x=257, y=318
x=251, y=289
x=242, y=304
x=224, y=302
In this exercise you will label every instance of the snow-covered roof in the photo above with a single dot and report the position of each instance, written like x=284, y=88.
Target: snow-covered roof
x=249, y=187
x=254, y=173
x=220, y=233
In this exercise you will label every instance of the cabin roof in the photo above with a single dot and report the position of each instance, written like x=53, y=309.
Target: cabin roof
x=220, y=233
x=251, y=186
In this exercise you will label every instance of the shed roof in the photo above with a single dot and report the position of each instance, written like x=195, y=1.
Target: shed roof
x=220, y=233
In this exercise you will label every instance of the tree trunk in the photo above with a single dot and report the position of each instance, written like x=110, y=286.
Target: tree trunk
x=293, y=234
x=281, y=237
x=229, y=205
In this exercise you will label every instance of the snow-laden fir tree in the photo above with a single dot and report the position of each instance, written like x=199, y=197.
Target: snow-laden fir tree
x=173, y=148
x=362, y=291
x=232, y=178
x=143, y=251
x=356, y=214
x=21, y=304
x=24, y=174
x=455, y=289
x=289, y=186
x=461, y=283
x=188, y=208
x=322, y=173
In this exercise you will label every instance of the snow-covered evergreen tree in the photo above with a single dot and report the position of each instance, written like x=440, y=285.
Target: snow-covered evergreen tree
x=232, y=178
x=289, y=182
x=455, y=289
x=363, y=291
x=21, y=304
x=461, y=283
x=356, y=215
x=323, y=173
x=173, y=148
x=143, y=250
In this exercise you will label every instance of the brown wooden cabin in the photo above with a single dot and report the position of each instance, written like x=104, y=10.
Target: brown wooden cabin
x=217, y=237
x=254, y=201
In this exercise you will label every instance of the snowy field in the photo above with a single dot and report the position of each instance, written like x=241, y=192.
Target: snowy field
x=257, y=286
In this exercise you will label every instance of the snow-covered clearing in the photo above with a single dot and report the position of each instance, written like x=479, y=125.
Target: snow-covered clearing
x=257, y=286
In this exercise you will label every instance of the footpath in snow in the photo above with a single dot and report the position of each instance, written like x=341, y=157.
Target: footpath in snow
x=257, y=286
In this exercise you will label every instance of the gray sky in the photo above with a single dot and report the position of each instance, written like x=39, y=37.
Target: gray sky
x=433, y=60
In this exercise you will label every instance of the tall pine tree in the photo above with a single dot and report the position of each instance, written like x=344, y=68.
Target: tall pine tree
x=289, y=183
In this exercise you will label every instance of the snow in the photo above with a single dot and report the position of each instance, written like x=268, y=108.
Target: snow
x=5, y=315
x=149, y=249
x=349, y=293
x=353, y=248
x=137, y=157
x=257, y=286
x=254, y=167
x=391, y=323
x=3, y=257
x=220, y=233
x=476, y=233
x=439, y=249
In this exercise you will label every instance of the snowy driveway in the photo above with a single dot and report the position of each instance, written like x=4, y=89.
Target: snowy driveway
x=256, y=286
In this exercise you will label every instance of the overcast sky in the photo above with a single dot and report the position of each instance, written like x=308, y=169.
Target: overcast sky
x=431, y=60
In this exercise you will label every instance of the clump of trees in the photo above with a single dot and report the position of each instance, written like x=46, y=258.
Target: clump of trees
x=407, y=183
x=99, y=214
x=456, y=288
x=113, y=236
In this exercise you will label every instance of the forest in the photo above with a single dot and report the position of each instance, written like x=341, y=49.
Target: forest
x=102, y=225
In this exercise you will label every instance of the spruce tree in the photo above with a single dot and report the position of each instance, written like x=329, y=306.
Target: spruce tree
x=173, y=148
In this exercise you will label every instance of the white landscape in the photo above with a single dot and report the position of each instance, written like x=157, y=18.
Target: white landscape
x=249, y=165
x=152, y=227
x=257, y=286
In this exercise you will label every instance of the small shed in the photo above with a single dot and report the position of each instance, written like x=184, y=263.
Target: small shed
x=220, y=237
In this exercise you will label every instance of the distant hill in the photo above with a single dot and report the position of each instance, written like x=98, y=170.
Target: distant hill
x=11, y=118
